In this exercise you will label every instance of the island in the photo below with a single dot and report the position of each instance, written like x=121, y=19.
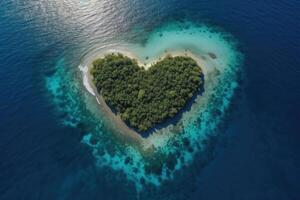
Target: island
x=143, y=97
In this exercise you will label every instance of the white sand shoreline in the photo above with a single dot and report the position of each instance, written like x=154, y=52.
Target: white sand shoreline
x=125, y=130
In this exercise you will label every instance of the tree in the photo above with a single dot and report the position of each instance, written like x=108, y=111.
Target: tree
x=144, y=98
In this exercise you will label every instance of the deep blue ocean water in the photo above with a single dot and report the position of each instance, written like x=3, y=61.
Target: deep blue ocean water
x=257, y=156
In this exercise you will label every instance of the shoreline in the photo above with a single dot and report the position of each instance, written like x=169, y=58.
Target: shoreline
x=122, y=127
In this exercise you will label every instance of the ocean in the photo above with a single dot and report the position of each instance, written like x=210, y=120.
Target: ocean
x=244, y=143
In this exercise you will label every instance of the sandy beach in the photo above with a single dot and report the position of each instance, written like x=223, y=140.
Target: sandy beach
x=126, y=131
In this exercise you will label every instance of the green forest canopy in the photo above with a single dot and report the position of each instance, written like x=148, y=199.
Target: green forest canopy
x=142, y=97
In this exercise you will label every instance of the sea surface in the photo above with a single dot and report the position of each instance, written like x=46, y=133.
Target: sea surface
x=242, y=143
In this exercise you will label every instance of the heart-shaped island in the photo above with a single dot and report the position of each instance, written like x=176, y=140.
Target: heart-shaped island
x=144, y=98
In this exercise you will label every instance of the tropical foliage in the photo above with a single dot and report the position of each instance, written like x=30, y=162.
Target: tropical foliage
x=142, y=97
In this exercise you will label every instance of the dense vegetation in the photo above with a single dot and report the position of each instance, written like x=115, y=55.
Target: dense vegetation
x=142, y=97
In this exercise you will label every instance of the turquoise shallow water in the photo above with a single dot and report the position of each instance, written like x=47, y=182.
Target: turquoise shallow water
x=175, y=146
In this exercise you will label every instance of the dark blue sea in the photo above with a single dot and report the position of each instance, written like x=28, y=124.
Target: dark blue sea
x=254, y=154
